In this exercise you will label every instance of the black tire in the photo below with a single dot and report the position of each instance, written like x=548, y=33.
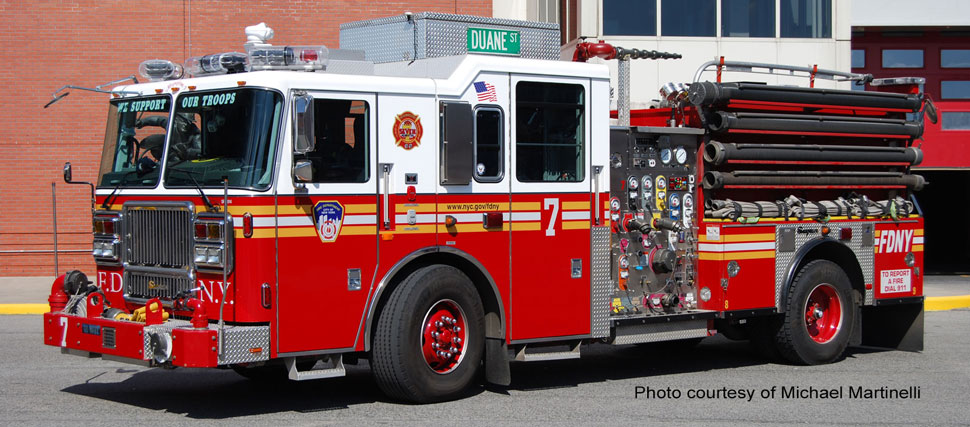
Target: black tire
x=817, y=335
x=398, y=359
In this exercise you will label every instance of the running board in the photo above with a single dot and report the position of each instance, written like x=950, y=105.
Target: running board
x=522, y=355
x=336, y=369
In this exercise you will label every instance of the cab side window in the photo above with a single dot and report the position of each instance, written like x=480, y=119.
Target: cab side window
x=489, y=143
x=549, y=132
x=341, y=152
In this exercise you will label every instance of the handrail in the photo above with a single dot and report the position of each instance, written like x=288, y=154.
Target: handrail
x=778, y=69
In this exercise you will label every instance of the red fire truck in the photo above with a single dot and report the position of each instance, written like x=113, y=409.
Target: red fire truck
x=444, y=196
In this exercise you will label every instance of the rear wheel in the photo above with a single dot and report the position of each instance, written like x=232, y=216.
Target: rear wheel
x=429, y=338
x=819, y=315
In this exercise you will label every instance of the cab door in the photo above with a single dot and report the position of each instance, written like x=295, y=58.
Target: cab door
x=327, y=229
x=550, y=204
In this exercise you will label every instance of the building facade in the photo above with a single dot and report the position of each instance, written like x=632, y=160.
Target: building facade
x=897, y=38
x=91, y=42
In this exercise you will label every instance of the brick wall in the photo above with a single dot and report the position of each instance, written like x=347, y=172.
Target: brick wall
x=47, y=44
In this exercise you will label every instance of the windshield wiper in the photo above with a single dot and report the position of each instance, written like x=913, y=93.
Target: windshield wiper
x=124, y=178
x=205, y=199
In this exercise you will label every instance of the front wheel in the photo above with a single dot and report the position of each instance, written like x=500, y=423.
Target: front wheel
x=429, y=339
x=819, y=317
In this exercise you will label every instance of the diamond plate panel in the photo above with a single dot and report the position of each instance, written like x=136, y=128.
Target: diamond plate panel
x=602, y=285
x=237, y=342
x=865, y=254
x=239, y=339
x=433, y=35
x=654, y=332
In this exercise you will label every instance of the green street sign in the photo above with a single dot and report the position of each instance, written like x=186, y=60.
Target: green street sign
x=488, y=40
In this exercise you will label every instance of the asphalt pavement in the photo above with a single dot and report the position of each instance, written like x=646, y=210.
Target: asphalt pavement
x=43, y=387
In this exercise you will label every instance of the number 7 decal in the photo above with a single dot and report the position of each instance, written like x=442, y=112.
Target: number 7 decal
x=554, y=204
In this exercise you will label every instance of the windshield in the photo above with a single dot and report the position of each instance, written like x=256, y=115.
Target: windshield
x=228, y=133
x=133, y=141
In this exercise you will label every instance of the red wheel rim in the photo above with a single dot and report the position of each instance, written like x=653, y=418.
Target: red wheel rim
x=443, y=334
x=823, y=313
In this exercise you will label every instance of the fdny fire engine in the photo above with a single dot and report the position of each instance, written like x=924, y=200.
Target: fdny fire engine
x=443, y=196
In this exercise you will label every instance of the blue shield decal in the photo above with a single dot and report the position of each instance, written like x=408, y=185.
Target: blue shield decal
x=327, y=216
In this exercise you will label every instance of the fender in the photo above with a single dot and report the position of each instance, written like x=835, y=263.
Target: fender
x=799, y=259
x=382, y=285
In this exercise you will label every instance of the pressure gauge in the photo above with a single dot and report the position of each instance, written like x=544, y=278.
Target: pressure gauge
x=688, y=201
x=665, y=156
x=680, y=154
x=647, y=183
x=674, y=201
x=661, y=183
x=633, y=182
x=624, y=262
x=614, y=205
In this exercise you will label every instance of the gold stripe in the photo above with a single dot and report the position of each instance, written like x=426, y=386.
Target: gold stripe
x=416, y=229
x=294, y=209
x=297, y=231
x=917, y=248
x=358, y=230
x=919, y=232
x=418, y=207
x=718, y=256
x=525, y=206
x=728, y=238
x=446, y=207
x=526, y=226
x=710, y=256
x=575, y=225
x=575, y=206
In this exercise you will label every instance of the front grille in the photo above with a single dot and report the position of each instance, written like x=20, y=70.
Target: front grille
x=148, y=285
x=158, y=235
x=157, y=244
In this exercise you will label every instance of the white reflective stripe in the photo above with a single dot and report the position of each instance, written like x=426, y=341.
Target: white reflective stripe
x=526, y=216
x=419, y=218
x=735, y=247
x=360, y=219
x=285, y=221
x=568, y=215
x=918, y=240
x=303, y=221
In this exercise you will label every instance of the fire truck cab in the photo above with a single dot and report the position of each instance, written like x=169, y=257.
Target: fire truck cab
x=442, y=207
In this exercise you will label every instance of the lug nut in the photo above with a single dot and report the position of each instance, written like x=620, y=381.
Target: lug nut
x=456, y=340
x=434, y=345
x=457, y=329
x=438, y=324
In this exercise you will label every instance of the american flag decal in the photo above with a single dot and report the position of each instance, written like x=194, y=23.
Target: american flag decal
x=486, y=92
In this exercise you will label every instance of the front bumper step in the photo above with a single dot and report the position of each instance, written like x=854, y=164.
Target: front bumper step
x=172, y=343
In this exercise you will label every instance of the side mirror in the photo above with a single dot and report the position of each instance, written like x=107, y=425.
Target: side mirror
x=303, y=171
x=303, y=138
x=67, y=172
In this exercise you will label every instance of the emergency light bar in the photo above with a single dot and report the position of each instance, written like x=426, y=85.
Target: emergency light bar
x=160, y=69
x=220, y=63
x=308, y=58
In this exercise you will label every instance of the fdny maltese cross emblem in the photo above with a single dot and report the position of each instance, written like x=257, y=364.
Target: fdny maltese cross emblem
x=327, y=216
x=407, y=130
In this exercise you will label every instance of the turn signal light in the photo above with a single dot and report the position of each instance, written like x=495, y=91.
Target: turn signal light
x=247, y=225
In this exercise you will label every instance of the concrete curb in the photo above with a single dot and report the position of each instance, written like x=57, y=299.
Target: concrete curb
x=946, y=303
x=931, y=304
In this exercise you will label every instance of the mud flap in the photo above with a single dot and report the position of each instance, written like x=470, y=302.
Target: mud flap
x=895, y=324
x=496, y=362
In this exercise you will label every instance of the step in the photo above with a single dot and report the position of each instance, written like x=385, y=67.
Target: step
x=335, y=369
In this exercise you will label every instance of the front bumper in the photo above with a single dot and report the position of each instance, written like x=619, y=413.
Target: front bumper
x=182, y=345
